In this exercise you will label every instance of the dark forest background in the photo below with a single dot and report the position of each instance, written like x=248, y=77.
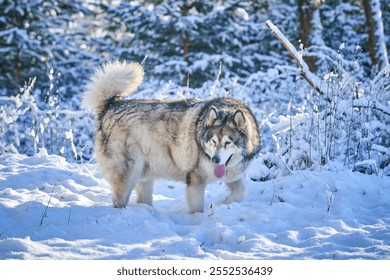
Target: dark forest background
x=183, y=41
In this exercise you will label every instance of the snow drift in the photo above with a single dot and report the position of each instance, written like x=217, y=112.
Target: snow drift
x=52, y=209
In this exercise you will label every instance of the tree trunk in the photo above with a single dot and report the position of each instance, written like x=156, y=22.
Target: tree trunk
x=305, y=13
x=376, y=38
x=185, y=43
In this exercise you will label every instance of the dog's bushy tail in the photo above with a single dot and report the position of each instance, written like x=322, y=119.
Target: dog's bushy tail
x=112, y=79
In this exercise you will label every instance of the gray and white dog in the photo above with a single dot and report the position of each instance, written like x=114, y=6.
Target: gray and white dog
x=139, y=141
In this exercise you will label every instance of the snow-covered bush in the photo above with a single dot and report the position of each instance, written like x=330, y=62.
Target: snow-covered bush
x=28, y=124
x=350, y=123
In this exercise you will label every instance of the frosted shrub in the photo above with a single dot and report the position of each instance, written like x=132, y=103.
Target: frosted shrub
x=28, y=124
x=12, y=112
x=348, y=124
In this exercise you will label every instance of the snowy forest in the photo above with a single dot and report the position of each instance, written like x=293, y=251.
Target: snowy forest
x=315, y=73
x=204, y=49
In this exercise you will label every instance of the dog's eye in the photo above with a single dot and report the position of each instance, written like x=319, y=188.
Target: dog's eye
x=214, y=142
x=227, y=143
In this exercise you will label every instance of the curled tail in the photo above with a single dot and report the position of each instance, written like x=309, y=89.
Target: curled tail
x=112, y=79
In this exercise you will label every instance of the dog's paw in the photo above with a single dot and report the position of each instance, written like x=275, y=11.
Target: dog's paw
x=119, y=204
x=234, y=197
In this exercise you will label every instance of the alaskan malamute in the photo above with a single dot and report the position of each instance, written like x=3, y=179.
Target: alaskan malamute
x=139, y=141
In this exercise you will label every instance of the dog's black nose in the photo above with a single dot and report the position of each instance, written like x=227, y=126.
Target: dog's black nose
x=215, y=159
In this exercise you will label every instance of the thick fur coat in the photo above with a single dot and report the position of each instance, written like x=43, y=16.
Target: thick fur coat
x=139, y=141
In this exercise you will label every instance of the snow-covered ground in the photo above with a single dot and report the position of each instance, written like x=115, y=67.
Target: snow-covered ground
x=52, y=209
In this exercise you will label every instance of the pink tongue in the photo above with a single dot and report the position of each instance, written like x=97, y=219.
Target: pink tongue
x=219, y=170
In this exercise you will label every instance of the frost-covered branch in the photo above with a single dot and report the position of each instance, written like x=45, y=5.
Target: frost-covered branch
x=371, y=104
x=303, y=67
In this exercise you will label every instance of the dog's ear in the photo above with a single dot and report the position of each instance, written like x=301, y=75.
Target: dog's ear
x=239, y=118
x=212, y=116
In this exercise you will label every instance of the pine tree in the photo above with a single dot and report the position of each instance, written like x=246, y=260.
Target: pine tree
x=188, y=39
x=21, y=42
x=35, y=37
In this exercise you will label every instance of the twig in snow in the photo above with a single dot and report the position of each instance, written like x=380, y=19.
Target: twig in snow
x=329, y=201
x=314, y=200
x=44, y=214
x=330, y=191
x=144, y=59
x=70, y=213
x=214, y=87
x=273, y=194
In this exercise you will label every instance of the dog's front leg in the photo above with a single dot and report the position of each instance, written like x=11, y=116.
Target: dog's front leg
x=195, y=193
x=237, y=191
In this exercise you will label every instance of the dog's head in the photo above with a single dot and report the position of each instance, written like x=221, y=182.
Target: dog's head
x=224, y=138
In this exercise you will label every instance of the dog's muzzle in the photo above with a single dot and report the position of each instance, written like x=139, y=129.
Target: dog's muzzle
x=220, y=169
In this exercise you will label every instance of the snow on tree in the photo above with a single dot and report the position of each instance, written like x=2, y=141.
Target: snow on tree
x=376, y=38
x=37, y=36
x=189, y=39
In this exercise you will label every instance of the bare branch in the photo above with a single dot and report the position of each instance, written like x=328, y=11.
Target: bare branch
x=303, y=67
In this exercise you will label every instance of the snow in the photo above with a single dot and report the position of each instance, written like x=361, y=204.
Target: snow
x=284, y=123
x=53, y=209
x=312, y=205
